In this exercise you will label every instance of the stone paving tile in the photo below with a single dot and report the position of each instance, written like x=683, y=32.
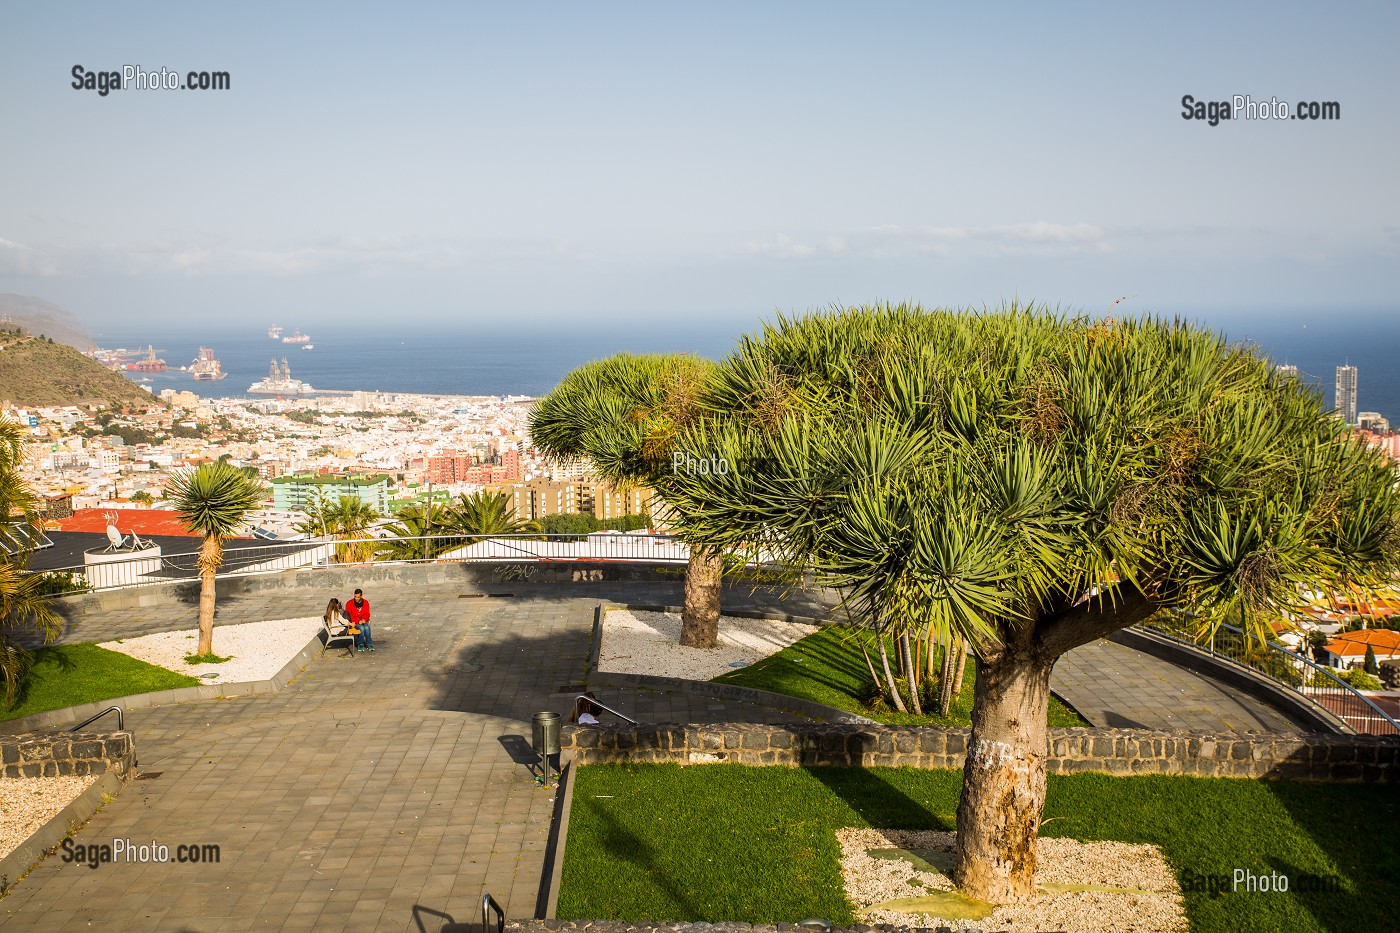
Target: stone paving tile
x=381, y=791
x=364, y=785
x=1116, y=686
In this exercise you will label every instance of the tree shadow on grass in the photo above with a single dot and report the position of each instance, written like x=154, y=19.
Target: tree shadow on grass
x=878, y=801
x=1356, y=827
x=46, y=661
x=625, y=846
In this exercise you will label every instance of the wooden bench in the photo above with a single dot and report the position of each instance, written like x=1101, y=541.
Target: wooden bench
x=332, y=637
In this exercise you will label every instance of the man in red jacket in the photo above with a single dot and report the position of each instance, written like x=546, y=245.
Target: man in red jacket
x=357, y=610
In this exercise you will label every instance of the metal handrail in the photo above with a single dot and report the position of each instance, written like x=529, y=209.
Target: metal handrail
x=121, y=723
x=603, y=706
x=1353, y=705
x=488, y=905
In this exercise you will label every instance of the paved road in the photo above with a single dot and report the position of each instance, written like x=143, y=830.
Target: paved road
x=386, y=791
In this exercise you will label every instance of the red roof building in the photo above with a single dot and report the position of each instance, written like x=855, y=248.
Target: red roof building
x=145, y=522
x=1349, y=648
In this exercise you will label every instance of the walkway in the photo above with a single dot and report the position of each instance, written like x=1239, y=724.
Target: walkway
x=1119, y=687
x=386, y=792
x=371, y=793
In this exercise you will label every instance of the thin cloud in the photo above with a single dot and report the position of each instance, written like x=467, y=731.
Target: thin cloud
x=363, y=255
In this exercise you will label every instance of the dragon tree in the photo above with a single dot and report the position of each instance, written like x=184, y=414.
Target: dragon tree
x=1030, y=482
x=623, y=415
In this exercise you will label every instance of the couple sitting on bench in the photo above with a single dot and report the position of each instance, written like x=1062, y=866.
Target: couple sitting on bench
x=353, y=620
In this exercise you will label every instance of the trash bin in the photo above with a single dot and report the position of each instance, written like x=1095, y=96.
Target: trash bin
x=545, y=729
x=546, y=734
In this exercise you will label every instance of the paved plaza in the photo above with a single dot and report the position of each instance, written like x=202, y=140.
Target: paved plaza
x=388, y=791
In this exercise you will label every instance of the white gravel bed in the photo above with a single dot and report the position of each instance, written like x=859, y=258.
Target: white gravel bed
x=256, y=650
x=28, y=803
x=1152, y=905
x=636, y=642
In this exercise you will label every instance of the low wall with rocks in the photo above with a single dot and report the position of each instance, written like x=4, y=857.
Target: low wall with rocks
x=1296, y=757
x=49, y=754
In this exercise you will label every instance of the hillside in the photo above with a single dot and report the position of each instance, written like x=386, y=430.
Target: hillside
x=36, y=316
x=37, y=372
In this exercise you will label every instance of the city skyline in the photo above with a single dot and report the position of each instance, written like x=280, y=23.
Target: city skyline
x=624, y=163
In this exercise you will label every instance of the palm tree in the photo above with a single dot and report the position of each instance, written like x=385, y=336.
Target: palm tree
x=348, y=519
x=481, y=514
x=624, y=415
x=23, y=607
x=212, y=500
x=415, y=523
x=1031, y=482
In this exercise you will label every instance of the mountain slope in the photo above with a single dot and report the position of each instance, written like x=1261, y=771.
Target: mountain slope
x=35, y=372
x=37, y=316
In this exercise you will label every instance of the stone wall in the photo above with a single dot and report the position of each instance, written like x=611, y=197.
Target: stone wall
x=49, y=754
x=1299, y=757
x=477, y=577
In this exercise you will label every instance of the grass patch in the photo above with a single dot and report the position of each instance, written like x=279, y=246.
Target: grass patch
x=210, y=658
x=827, y=667
x=664, y=842
x=67, y=675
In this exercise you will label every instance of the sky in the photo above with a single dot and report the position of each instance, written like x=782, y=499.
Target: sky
x=514, y=166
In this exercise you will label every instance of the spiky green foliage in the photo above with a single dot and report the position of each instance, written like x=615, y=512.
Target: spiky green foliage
x=982, y=473
x=413, y=525
x=623, y=414
x=485, y=513
x=347, y=519
x=23, y=607
x=212, y=500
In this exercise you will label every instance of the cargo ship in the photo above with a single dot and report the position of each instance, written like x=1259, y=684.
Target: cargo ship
x=297, y=337
x=279, y=381
x=274, y=332
x=205, y=367
x=150, y=364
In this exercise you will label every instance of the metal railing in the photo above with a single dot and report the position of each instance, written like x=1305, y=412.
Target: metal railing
x=1303, y=676
x=488, y=907
x=603, y=706
x=117, y=571
x=121, y=720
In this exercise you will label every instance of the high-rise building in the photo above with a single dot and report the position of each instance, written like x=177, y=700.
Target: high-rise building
x=1346, y=393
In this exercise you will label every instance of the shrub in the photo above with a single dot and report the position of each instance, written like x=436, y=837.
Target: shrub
x=62, y=583
x=1361, y=680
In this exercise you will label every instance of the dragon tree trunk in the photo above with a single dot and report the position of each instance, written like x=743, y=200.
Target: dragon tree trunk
x=703, y=578
x=210, y=557
x=1003, y=793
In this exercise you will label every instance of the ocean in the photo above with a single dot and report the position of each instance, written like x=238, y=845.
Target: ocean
x=447, y=360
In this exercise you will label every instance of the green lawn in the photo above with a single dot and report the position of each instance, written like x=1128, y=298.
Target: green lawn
x=726, y=842
x=827, y=667
x=67, y=675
